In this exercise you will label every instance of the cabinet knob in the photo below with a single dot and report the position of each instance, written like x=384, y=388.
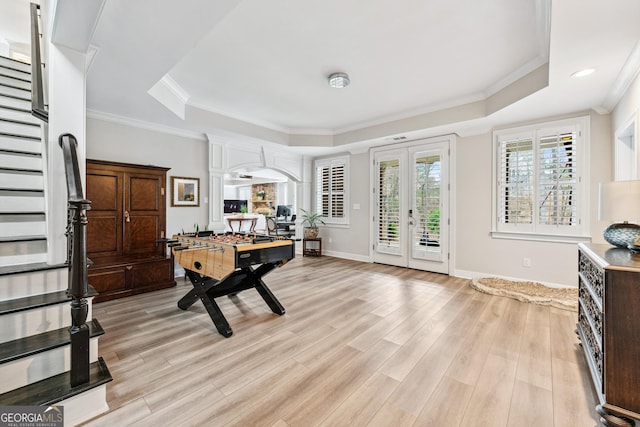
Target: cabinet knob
x=127, y=218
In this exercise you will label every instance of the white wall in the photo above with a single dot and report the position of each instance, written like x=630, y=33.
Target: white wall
x=352, y=241
x=627, y=109
x=185, y=156
x=478, y=254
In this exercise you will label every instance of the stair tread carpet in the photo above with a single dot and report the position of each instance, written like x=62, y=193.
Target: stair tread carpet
x=57, y=388
x=34, y=344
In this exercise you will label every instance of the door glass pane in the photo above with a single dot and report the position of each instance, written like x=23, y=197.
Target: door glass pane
x=426, y=234
x=389, y=203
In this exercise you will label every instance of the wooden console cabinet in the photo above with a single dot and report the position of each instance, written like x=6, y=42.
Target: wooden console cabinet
x=609, y=328
x=127, y=216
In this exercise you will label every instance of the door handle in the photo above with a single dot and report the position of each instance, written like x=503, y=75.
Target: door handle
x=127, y=218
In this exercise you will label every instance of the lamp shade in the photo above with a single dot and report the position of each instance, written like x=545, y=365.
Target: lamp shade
x=620, y=202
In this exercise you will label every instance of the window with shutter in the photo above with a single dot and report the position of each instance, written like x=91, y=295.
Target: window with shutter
x=331, y=189
x=389, y=203
x=540, y=174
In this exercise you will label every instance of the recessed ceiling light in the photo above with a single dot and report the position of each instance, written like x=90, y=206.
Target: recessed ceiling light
x=339, y=80
x=583, y=73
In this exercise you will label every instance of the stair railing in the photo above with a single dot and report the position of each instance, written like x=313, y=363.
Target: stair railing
x=77, y=207
x=38, y=107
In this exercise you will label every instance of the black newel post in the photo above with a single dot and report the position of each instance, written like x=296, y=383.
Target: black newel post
x=77, y=257
x=78, y=286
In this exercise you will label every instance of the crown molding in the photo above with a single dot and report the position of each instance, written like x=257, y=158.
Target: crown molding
x=127, y=121
x=627, y=75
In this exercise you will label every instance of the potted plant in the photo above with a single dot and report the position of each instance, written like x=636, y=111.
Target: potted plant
x=311, y=220
x=243, y=210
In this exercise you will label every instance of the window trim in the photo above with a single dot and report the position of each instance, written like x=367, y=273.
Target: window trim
x=333, y=161
x=535, y=231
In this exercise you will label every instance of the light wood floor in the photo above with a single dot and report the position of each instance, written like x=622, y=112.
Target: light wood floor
x=361, y=345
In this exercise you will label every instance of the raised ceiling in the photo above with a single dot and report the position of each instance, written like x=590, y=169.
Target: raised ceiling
x=256, y=70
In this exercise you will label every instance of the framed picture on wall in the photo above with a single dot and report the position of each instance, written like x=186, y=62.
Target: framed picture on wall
x=185, y=191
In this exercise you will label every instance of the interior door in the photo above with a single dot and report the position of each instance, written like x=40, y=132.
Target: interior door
x=411, y=213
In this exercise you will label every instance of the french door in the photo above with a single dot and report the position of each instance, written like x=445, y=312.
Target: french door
x=411, y=209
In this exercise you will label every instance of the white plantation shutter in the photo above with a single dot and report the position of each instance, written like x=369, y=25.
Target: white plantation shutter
x=539, y=185
x=331, y=193
x=389, y=203
x=516, y=183
x=558, y=179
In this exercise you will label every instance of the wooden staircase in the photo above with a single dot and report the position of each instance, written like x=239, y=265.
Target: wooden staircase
x=35, y=309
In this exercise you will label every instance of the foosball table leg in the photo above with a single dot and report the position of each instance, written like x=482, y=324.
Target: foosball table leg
x=188, y=300
x=216, y=315
x=201, y=288
x=269, y=298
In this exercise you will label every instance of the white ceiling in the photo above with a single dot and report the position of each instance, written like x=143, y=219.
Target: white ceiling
x=256, y=71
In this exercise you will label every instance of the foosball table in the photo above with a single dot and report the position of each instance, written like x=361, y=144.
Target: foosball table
x=226, y=264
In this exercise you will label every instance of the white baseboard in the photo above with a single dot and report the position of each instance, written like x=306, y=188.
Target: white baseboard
x=347, y=255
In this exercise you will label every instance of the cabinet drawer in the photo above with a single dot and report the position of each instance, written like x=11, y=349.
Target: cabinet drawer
x=592, y=276
x=107, y=279
x=150, y=273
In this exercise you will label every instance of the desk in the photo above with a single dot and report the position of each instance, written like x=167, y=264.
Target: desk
x=241, y=221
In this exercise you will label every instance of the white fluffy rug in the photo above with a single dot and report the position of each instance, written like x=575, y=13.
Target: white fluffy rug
x=537, y=293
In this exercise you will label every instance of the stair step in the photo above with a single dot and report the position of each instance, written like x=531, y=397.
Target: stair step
x=20, y=128
x=12, y=64
x=20, y=180
x=18, y=114
x=40, y=356
x=21, y=281
x=13, y=201
x=35, y=301
x=37, y=267
x=13, y=142
x=32, y=238
x=12, y=225
x=57, y=388
x=15, y=101
x=34, y=344
x=37, y=314
x=17, y=161
x=12, y=81
x=25, y=252
x=15, y=92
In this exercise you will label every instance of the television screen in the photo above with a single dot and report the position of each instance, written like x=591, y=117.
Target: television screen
x=283, y=211
x=234, y=206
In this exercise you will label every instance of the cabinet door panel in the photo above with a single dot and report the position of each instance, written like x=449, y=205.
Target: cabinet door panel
x=144, y=203
x=144, y=193
x=102, y=235
x=142, y=234
x=104, y=226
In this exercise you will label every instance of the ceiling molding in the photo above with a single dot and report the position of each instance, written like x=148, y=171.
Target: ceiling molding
x=212, y=109
x=627, y=75
x=170, y=94
x=127, y=121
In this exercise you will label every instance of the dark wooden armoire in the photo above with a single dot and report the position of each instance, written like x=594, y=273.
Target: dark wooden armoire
x=127, y=216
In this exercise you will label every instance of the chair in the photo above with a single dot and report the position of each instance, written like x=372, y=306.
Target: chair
x=279, y=229
x=272, y=227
